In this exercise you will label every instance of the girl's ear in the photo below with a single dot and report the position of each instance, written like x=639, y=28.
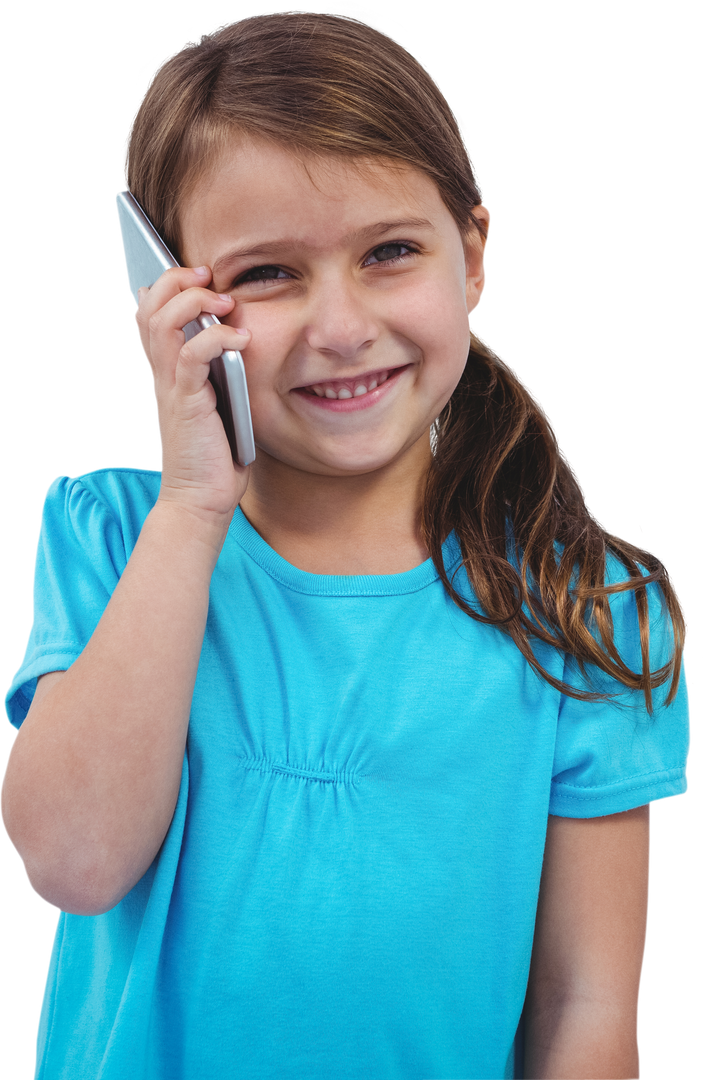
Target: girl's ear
x=475, y=256
x=475, y=243
x=484, y=215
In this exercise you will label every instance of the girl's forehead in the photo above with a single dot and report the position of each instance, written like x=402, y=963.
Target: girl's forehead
x=242, y=157
x=261, y=192
x=267, y=188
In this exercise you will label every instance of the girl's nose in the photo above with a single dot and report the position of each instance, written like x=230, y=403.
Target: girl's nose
x=340, y=322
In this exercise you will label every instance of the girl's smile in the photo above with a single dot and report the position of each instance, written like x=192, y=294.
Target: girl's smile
x=343, y=395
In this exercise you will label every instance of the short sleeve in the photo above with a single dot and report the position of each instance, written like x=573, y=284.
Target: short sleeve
x=89, y=527
x=612, y=755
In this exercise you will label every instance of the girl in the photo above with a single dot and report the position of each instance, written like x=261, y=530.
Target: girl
x=338, y=765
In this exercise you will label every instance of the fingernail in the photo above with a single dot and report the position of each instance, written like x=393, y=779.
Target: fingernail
x=140, y=293
x=202, y=271
x=224, y=296
x=240, y=330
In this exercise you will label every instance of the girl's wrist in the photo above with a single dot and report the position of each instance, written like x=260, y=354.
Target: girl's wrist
x=191, y=527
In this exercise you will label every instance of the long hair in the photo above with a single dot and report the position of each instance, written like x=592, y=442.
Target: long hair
x=323, y=84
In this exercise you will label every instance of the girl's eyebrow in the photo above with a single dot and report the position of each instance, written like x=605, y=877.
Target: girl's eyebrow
x=273, y=247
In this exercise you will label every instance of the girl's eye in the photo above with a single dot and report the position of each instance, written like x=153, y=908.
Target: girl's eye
x=271, y=272
x=399, y=258
x=245, y=279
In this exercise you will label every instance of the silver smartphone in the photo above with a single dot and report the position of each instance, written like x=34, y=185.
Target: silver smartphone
x=147, y=258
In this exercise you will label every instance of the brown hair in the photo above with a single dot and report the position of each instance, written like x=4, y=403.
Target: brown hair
x=323, y=84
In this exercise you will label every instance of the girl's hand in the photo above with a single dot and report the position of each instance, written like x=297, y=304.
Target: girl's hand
x=198, y=471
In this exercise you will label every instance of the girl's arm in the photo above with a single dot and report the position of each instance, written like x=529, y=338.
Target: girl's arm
x=94, y=774
x=581, y=1004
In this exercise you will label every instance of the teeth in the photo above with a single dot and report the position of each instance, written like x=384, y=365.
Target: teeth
x=344, y=392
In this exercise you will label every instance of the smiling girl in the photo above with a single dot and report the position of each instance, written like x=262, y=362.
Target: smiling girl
x=337, y=765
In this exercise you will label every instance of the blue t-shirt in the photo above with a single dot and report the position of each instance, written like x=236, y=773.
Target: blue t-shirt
x=349, y=884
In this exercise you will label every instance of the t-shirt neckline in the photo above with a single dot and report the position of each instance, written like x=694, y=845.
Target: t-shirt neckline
x=410, y=581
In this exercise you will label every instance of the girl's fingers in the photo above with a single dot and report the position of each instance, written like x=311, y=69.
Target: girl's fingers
x=193, y=367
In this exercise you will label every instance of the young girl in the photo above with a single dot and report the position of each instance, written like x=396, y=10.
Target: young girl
x=305, y=743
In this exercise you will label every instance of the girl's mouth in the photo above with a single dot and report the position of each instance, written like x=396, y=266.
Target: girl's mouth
x=362, y=400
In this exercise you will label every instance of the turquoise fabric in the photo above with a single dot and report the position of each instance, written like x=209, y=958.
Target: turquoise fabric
x=349, y=884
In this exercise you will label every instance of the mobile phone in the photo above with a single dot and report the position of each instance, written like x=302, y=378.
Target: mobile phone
x=147, y=258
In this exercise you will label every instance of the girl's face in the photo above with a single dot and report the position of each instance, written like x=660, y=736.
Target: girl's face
x=355, y=283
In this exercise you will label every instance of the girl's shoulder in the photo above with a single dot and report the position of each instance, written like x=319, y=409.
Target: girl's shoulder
x=113, y=488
